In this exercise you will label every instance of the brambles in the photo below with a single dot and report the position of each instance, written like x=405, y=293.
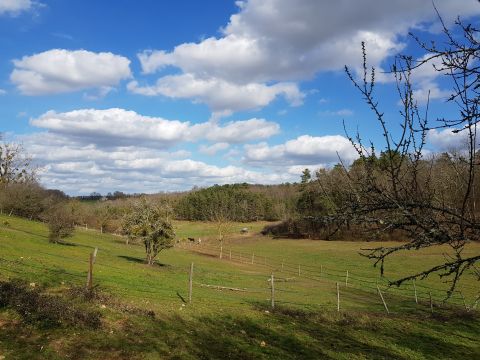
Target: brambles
x=34, y=306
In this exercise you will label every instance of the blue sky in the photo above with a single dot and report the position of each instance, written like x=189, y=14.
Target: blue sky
x=148, y=96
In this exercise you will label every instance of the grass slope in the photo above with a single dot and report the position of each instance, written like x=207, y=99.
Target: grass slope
x=222, y=324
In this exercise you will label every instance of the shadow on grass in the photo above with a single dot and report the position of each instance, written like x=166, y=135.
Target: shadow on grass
x=261, y=333
x=27, y=232
x=63, y=243
x=285, y=334
x=181, y=297
x=140, y=260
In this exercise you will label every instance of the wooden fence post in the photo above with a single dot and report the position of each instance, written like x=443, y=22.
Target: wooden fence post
x=338, y=297
x=415, y=290
x=230, y=254
x=90, y=272
x=321, y=270
x=221, y=251
x=190, y=283
x=346, y=279
x=299, y=270
x=282, y=264
x=95, y=255
x=273, y=291
x=253, y=257
x=383, y=300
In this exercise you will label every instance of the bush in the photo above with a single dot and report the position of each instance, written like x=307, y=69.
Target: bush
x=36, y=307
x=60, y=223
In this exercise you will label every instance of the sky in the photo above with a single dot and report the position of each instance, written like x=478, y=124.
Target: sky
x=152, y=96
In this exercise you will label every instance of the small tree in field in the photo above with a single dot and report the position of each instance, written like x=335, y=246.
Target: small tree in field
x=60, y=223
x=148, y=223
x=220, y=216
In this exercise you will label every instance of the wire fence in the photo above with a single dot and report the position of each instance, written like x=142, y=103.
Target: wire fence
x=316, y=274
x=260, y=280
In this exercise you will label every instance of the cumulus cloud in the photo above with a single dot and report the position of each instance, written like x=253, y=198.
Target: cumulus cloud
x=425, y=81
x=281, y=41
x=114, y=127
x=239, y=131
x=304, y=150
x=59, y=71
x=447, y=140
x=77, y=168
x=213, y=149
x=15, y=7
x=307, y=36
x=220, y=95
x=114, y=149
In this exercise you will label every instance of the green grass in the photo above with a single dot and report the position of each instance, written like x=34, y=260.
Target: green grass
x=230, y=324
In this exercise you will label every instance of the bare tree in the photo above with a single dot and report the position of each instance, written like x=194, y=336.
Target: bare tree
x=397, y=191
x=220, y=216
x=15, y=164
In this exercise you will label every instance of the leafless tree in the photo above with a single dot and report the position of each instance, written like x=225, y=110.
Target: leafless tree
x=397, y=191
x=15, y=164
x=220, y=217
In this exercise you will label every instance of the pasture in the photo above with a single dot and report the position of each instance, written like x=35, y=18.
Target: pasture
x=235, y=321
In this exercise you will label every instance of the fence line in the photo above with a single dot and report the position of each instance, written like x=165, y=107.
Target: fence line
x=324, y=273
x=259, y=284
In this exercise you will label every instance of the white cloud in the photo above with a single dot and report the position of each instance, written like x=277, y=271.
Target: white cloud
x=114, y=149
x=447, y=140
x=271, y=42
x=425, y=81
x=213, y=149
x=73, y=167
x=240, y=131
x=308, y=36
x=220, y=95
x=303, y=150
x=15, y=7
x=59, y=71
x=428, y=91
x=3, y=92
x=114, y=127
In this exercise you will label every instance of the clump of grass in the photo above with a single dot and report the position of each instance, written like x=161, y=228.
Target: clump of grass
x=37, y=307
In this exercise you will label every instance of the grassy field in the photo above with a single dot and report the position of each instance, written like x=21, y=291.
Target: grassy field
x=237, y=324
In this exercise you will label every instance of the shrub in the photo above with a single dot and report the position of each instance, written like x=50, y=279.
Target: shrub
x=36, y=307
x=60, y=223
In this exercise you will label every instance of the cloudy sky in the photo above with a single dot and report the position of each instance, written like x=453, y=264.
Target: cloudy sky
x=148, y=96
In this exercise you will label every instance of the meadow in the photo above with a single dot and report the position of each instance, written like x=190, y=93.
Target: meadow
x=146, y=314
